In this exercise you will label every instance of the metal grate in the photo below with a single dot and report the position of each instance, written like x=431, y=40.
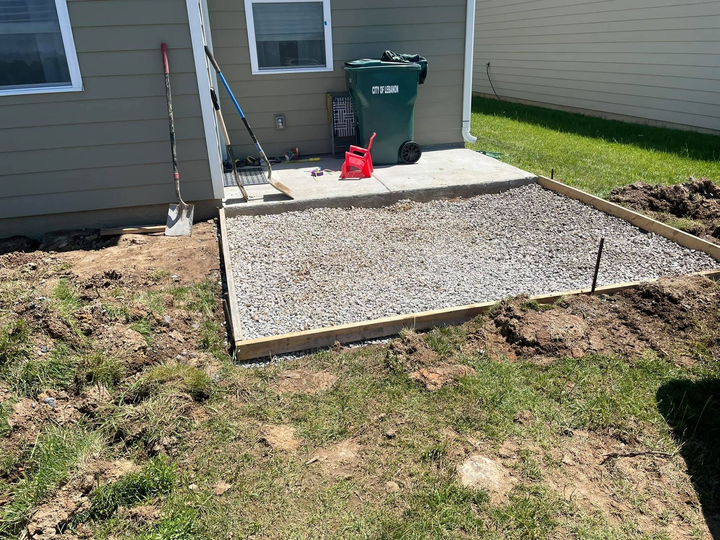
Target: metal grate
x=249, y=176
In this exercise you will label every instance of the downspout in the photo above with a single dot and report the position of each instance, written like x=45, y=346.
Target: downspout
x=468, y=75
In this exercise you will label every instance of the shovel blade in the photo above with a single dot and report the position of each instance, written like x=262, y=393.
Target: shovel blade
x=180, y=220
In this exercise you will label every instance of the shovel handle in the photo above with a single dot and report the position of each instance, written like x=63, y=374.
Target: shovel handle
x=212, y=59
x=171, y=123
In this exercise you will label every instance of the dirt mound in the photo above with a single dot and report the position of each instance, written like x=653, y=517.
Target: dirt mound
x=658, y=316
x=579, y=327
x=697, y=201
x=410, y=353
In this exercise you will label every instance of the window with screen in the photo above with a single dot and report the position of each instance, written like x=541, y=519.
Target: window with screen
x=289, y=36
x=37, y=53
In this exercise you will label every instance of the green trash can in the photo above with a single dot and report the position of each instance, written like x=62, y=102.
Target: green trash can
x=384, y=95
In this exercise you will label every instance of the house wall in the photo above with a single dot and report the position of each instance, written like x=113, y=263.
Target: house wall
x=107, y=146
x=656, y=60
x=360, y=30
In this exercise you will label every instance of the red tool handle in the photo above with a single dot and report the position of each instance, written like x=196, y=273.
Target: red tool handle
x=166, y=66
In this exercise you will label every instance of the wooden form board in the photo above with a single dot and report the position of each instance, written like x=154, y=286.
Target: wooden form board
x=378, y=328
x=389, y=326
x=150, y=229
x=231, y=300
x=651, y=225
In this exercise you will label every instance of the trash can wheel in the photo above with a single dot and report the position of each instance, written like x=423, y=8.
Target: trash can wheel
x=410, y=152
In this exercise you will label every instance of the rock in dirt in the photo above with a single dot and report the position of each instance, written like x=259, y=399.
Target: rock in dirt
x=70, y=240
x=480, y=472
x=303, y=381
x=435, y=377
x=280, y=438
x=392, y=487
x=120, y=339
x=221, y=488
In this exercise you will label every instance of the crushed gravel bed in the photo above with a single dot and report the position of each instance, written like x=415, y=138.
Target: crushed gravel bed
x=329, y=266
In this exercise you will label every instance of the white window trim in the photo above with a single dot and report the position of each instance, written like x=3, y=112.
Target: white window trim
x=70, y=54
x=250, y=20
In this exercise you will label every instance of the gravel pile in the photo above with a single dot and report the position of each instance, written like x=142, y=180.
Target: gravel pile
x=325, y=266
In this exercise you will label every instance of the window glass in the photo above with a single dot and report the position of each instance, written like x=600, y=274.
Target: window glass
x=32, y=53
x=289, y=34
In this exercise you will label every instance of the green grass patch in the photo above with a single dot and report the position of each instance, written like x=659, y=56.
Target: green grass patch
x=100, y=368
x=157, y=478
x=160, y=275
x=593, y=154
x=55, y=371
x=179, y=525
x=15, y=343
x=686, y=224
x=536, y=306
x=144, y=328
x=175, y=377
x=55, y=455
x=67, y=296
x=116, y=312
x=212, y=338
x=444, y=340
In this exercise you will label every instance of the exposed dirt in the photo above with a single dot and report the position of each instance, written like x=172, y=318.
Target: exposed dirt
x=668, y=316
x=435, y=377
x=697, y=200
x=302, y=381
x=280, y=438
x=221, y=487
x=129, y=313
x=72, y=498
x=411, y=353
x=339, y=459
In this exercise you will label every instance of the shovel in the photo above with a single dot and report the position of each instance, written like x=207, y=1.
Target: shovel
x=274, y=183
x=180, y=216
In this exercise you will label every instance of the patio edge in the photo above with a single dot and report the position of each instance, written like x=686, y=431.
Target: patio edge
x=375, y=200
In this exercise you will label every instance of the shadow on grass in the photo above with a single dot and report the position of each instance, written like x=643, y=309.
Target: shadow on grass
x=692, y=410
x=687, y=144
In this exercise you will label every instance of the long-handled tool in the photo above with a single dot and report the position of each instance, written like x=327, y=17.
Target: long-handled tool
x=274, y=183
x=228, y=146
x=180, y=216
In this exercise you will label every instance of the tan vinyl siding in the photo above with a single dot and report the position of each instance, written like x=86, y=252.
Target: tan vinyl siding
x=656, y=60
x=108, y=146
x=360, y=29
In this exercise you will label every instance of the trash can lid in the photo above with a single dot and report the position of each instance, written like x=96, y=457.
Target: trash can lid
x=372, y=63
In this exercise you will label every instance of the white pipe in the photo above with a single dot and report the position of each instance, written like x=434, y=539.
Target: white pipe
x=468, y=76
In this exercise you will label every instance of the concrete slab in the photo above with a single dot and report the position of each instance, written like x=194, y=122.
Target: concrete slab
x=456, y=172
x=455, y=167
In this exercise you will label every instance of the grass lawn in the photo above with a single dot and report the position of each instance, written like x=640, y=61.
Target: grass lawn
x=589, y=153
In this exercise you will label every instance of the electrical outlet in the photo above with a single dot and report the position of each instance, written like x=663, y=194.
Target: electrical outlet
x=280, y=121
